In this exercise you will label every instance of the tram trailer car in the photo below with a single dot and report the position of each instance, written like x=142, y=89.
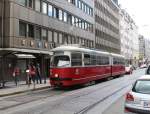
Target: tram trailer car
x=72, y=65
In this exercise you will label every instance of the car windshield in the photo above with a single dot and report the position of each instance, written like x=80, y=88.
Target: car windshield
x=60, y=61
x=142, y=86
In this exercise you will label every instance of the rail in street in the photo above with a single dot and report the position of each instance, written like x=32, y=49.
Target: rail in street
x=77, y=101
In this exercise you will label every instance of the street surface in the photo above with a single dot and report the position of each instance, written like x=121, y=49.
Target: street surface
x=105, y=97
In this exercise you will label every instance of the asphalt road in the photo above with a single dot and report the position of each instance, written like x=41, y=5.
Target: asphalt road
x=102, y=98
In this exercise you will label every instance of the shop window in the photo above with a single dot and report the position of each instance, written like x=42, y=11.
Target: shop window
x=44, y=7
x=30, y=31
x=22, y=2
x=22, y=29
x=55, y=37
x=44, y=34
x=38, y=33
x=38, y=5
x=50, y=36
x=50, y=10
x=60, y=38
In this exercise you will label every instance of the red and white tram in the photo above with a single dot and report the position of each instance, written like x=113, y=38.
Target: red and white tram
x=71, y=65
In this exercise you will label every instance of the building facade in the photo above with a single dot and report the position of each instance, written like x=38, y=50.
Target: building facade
x=107, y=36
x=29, y=29
x=129, y=38
x=147, y=49
x=141, y=47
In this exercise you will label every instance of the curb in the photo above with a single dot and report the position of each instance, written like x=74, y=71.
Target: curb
x=24, y=91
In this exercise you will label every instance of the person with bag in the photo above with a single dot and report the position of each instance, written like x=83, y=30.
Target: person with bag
x=32, y=73
x=16, y=74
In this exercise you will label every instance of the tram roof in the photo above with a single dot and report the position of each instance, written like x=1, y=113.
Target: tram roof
x=81, y=49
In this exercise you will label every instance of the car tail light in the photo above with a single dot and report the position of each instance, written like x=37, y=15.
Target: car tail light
x=129, y=97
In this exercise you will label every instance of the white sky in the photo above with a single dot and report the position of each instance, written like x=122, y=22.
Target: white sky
x=139, y=11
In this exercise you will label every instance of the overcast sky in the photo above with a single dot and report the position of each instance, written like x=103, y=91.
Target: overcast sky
x=139, y=11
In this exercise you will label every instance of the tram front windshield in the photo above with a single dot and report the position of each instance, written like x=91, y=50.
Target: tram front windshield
x=61, y=61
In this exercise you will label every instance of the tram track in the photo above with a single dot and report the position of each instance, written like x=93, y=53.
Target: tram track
x=85, y=92
x=86, y=109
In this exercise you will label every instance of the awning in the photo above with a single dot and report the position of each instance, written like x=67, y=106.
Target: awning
x=25, y=56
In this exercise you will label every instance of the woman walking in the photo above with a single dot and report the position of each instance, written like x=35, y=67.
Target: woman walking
x=32, y=73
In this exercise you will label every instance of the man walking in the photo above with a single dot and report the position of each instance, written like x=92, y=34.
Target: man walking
x=38, y=73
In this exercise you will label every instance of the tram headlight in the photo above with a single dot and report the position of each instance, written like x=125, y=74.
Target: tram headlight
x=56, y=75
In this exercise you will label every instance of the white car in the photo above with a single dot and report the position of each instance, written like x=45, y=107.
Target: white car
x=143, y=66
x=138, y=99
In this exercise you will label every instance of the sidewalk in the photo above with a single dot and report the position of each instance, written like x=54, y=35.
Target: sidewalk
x=11, y=89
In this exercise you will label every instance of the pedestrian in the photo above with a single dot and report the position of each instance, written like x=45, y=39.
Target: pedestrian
x=38, y=74
x=28, y=78
x=32, y=73
x=16, y=74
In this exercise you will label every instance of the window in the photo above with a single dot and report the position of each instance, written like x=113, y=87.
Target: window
x=50, y=35
x=44, y=7
x=65, y=17
x=93, y=59
x=38, y=33
x=60, y=38
x=22, y=29
x=87, y=59
x=30, y=31
x=60, y=15
x=76, y=3
x=56, y=13
x=73, y=20
x=22, y=2
x=76, y=59
x=83, y=25
x=82, y=6
x=61, y=61
x=80, y=23
x=55, y=37
x=44, y=34
x=76, y=22
x=38, y=5
x=30, y=3
x=102, y=60
x=50, y=10
x=69, y=19
x=79, y=4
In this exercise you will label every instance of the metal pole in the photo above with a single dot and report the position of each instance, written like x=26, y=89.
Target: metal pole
x=2, y=45
x=2, y=35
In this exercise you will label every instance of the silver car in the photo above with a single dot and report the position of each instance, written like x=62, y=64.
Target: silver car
x=138, y=99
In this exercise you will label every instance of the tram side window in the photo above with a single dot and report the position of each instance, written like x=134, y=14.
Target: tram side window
x=93, y=59
x=116, y=61
x=76, y=59
x=101, y=60
x=87, y=59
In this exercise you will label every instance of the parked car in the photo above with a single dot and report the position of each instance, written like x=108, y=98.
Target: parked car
x=143, y=66
x=148, y=70
x=129, y=69
x=138, y=99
